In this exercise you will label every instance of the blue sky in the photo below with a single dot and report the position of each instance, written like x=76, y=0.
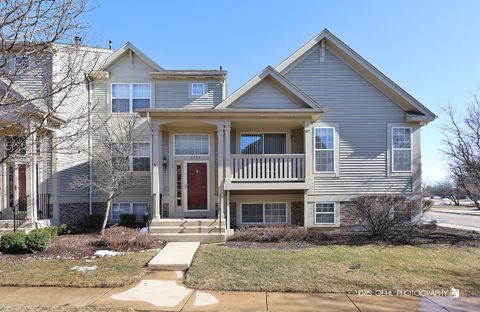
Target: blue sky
x=430, y=48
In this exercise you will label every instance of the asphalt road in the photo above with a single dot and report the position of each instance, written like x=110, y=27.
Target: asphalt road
x=454, y=219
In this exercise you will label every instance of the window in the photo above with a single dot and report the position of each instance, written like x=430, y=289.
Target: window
x=179, y=185
x=15, y=145
x=264, y=213
x=135, y=157
x=263, y=143
x=138, y=209
x=324, y=149
x=198, y=89
x=324, y=213
x=191, y=144
x=401, y=149
x=141, y=157
x=129, y=97
x=21, y=62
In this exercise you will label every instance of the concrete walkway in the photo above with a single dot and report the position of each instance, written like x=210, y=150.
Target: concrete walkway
x=175, y=256
x=165, y=291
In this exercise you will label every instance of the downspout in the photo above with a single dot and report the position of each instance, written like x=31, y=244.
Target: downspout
x=90, y=169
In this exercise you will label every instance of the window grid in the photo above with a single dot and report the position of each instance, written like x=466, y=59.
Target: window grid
x=191, y=144
x=324, y=145
x=138, y=161
x=324, y=213
x=138, y=209
x=265, y=213
x=128, y=97
x=401, y=149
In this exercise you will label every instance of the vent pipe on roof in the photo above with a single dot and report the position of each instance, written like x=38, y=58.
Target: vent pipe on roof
x=78, y=39
x=110, y=44
x=221, y=68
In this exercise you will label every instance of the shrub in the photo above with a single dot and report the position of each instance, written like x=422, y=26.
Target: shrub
x=382, y=214
x=52, y=230
x=127, y=219
x=13, y=242
x=121, y=238
x=281, y=233
x=64, y=229
x=94, y=221
x=38, y=240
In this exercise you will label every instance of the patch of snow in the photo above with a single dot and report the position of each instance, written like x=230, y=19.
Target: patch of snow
x=203, y=299
x=83, y=269
x=106, y=253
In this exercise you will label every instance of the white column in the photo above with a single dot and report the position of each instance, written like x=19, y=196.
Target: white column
x=228, y=161
x=156, y=168
x=220, y=141
x=228, y=211
x=32, y=149
x=308, y=149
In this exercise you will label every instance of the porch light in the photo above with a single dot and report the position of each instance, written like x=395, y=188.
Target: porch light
x=165, y=162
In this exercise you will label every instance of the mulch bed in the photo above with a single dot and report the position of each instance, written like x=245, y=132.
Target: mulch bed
x=424, y=235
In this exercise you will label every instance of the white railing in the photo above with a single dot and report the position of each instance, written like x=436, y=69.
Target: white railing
x=258, y=168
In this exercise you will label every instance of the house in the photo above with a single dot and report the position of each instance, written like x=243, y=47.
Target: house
x=291, y=146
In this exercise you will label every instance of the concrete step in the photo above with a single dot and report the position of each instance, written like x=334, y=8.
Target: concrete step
x=187, y=222
x=174, y=256
x=203, y=238
x=186, y=229
x=6, y=224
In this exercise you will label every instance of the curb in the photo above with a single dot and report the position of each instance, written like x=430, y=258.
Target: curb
x=457, y=213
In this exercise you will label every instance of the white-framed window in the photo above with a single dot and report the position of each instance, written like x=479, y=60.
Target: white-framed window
x=324, y=146
x=21, y=61
x=138, y=209
x=258, y=213
x=401, y=149
x=325, y=213
x=191, y=144
x=263, y=143
x=139, y=160
x=129, y=97
x=198, y=88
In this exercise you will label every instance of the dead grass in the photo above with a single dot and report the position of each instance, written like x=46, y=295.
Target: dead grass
x=337, y=269
x=111, y=272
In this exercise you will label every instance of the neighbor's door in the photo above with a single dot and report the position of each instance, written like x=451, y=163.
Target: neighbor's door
x=22, y=187
x=197, y=190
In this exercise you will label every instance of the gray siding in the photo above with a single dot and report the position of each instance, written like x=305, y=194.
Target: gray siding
x=175, y=94
x=362, y=113
x=266, y=95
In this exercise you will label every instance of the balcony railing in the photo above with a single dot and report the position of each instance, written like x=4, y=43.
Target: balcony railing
x=268, y=168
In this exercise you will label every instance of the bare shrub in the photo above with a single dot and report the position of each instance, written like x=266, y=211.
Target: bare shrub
x=382, y=214
x=280, y=233
x=121, y=238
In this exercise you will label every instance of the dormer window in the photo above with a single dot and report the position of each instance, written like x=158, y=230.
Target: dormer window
x=21, y=62
x=198, y=89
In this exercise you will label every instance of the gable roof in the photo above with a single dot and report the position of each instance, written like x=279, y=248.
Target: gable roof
x=130, y=47
x=283, y=82
x=363, y=67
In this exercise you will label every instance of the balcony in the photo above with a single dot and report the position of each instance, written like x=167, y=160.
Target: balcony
x=268, y=168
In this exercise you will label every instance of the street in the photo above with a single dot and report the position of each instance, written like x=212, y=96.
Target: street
x=455, y=220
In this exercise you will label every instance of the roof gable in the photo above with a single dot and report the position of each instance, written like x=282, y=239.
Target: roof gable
x=130, y=47
x=399, y=96
x=268, y=82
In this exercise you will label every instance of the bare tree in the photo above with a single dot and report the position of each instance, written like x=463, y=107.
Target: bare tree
x=381, y=214
x=34, y=89
x=462, y=148
x=111, y=161
x=447, y=189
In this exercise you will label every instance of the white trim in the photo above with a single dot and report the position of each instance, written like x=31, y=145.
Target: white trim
x=401, y=149
x=185, y=184
x=334, y=213
x=174, y=140
x=126, y=47
x=204, y=85
x=263, y=210
x=329, y=149
x=130, y=96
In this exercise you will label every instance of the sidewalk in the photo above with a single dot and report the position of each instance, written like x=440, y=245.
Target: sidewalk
x=465, y=212
x=165, y=291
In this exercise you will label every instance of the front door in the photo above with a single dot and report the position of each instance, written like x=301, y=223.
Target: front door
x=197, y=189
x=22, y=187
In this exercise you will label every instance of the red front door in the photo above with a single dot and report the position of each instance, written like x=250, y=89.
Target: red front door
x=197, y=186
x=22, y=187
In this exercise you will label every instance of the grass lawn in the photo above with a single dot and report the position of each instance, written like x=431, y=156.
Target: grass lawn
x=111, y=272
x=324, y=269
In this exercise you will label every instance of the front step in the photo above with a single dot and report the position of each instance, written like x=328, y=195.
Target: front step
x=202, y=238
x=187, y=222
x=186, y=229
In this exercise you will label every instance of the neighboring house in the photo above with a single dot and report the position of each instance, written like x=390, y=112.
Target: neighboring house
x=291, y=146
